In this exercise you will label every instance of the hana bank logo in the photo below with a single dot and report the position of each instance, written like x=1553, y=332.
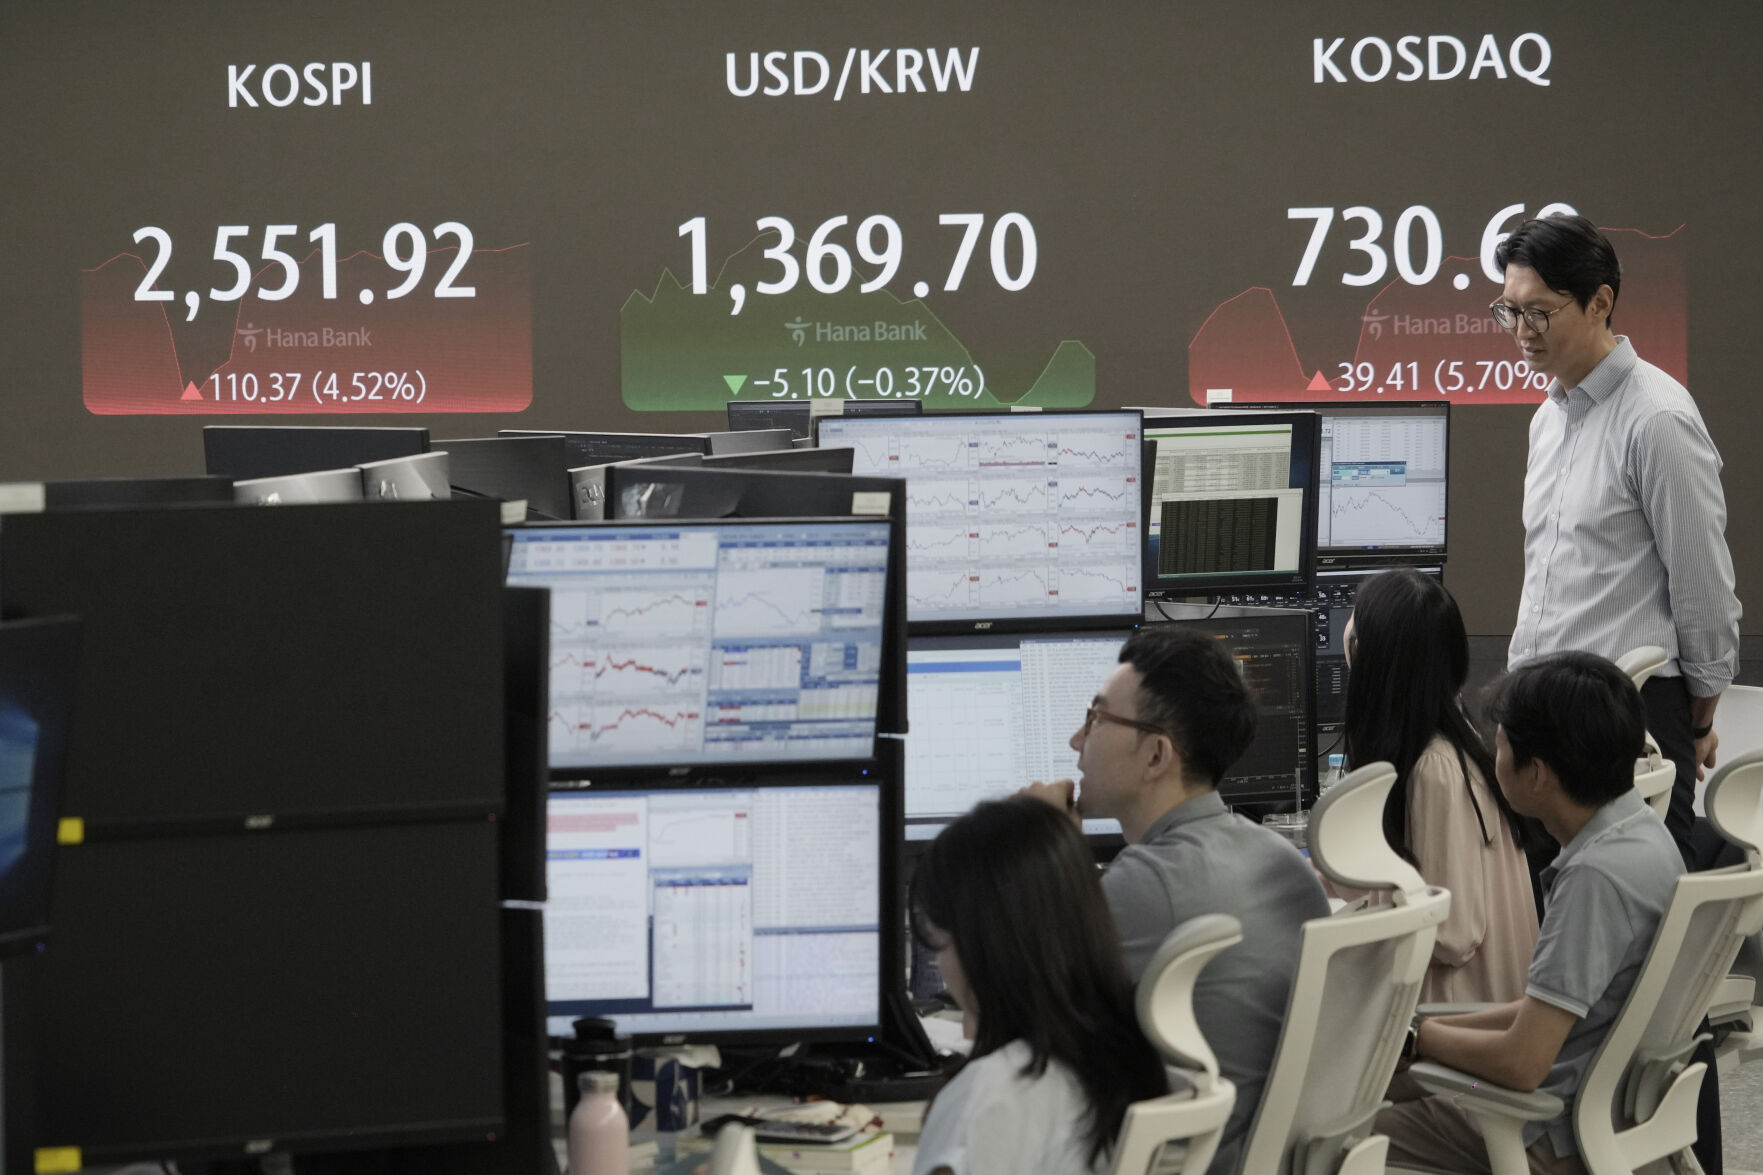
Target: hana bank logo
x=249, y=333
x=1373, y=322
x=798, y=330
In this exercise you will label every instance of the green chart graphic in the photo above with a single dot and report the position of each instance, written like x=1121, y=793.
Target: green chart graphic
x=682, y=351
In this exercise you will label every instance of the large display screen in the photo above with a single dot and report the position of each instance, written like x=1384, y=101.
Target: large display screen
x=709, y=644
x=558, y=210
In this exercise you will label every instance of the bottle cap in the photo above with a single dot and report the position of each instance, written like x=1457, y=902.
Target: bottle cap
x=597, y=1081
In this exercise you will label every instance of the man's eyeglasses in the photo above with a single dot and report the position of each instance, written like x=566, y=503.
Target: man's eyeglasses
x=1536, y=320
x=1096, y=714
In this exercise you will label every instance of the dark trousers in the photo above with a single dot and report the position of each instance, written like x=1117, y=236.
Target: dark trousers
x=1667, y=703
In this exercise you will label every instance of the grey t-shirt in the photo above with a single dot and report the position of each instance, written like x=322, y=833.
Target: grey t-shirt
x=1199, y=858
x=1606, y=892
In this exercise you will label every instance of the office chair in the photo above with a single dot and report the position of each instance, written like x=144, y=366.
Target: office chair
x=1638, y=1102
x=1358, y=980
x=1179, y=1131
x=1641, y=663
x=1653, y=772
x=1654, y=777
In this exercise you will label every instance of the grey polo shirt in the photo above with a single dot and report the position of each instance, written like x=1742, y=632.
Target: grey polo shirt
x=1606, y=892
x=1197, y=859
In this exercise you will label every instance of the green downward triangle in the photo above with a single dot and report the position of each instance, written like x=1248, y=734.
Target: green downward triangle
x=734, y=383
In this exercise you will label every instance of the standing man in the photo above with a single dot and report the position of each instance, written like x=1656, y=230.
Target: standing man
x=1624, y=518
x=1161, y=733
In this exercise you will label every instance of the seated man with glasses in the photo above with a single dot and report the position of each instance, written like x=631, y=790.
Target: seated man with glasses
x=1624, y=518
x=1167, y=724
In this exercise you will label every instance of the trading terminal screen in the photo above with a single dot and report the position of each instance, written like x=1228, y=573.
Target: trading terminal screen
x=689, y=911
x=1382, y=481
x=709, y=643
x=1011, y=517
x=1230, y=503
x=991, y=713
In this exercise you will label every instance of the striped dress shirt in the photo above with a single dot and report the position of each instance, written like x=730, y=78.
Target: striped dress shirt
x=1625, y=527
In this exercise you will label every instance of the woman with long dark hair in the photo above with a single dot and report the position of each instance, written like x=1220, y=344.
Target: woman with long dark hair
x=1008, y=897
x=1408, y=658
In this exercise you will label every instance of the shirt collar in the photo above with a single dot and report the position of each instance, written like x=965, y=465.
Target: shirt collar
x=1200, y=807
x=1601, y=381
x=1611, y=818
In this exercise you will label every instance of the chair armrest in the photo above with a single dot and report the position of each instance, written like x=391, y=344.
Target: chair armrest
x=1450, y=1009
x=1732, y=1000
x=1484, y=1095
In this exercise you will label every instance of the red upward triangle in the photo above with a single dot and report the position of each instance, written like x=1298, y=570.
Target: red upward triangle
x=190, y=392
x=1318, y=383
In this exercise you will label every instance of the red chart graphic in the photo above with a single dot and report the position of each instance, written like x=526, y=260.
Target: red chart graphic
x=360, y=352
x=1431, y=341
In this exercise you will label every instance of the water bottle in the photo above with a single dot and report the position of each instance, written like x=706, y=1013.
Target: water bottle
x=1337, y=763
x=599, y=1132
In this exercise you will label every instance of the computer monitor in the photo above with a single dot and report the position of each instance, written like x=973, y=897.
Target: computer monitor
x=797, y=416
x=1233, y=502
x=1381, y=499
x=1274, y=651
x=532, y=469
x=991, y=712
x=603, y=448
x=300, y=489
x=276, y=666
x=38, y=664
x=635, y=491
x=737, y=911
x=422, y=477
x=111, y=492
x=688, y=645
x=759, y=440
x=273, y=450
x=1015, y=520
x=808, y=460
x=587, y=485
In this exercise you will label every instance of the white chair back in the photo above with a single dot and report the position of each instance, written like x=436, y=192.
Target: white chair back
x=1357, y=984
x=1641, y=663
x=1179, y=1132
x=1638, y=1102
x=1654, y=776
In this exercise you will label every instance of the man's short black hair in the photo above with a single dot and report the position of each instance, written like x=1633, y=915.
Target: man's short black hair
x=1579, y=714
x=1568, y=253
x=1191, y=687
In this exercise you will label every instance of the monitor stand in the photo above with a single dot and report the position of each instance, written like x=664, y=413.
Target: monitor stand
x=900, y=1065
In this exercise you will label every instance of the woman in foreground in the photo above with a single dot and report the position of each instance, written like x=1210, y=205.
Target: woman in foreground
x=1008, y=897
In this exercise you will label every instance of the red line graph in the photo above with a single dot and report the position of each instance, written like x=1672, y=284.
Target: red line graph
x=475, y=352
x=1402, y=343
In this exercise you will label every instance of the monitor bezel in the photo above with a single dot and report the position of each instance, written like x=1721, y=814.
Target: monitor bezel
x=1372, y=558
x=573, y=777
x=1307, y=436
x=870, y=773
x=1074, y=620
